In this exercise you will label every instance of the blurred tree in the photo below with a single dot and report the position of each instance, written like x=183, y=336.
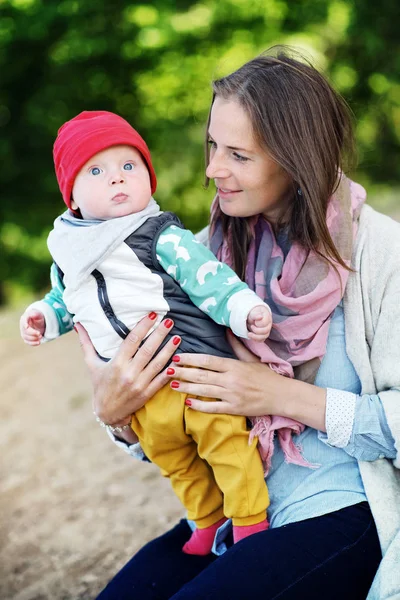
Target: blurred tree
x=153, y=63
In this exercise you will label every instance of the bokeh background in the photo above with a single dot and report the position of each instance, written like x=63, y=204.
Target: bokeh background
x=152, y=62
x=74, y=508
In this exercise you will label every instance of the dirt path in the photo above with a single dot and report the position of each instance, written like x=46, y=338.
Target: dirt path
x=73, y=508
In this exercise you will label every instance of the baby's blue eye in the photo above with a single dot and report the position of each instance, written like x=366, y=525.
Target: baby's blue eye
x=95, y=171
x=128, y=166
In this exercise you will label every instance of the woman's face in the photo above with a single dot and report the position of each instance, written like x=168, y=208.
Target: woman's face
x=249, y=182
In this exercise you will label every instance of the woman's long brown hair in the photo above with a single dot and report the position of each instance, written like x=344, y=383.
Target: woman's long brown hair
x=306, y=127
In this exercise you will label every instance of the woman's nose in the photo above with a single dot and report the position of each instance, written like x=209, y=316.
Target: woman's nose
x=216, y=168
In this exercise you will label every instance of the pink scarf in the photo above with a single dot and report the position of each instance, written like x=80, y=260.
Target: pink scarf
x=302, y=291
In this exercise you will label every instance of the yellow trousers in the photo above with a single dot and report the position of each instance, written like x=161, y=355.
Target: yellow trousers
x=207, y=457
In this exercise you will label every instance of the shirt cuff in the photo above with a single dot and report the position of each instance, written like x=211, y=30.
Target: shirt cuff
x=52, y=329
x=339, y=417
x=134, y=450
x=203, y=237
x=239, y=305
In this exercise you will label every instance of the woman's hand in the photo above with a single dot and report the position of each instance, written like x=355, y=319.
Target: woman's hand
x=246, y=387
x=123, y=385
x=239, y=385
x=241, y=388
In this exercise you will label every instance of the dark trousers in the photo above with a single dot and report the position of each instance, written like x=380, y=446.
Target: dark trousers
x=330, y=557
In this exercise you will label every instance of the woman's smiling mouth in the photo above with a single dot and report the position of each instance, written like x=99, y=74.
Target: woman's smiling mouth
x=225, y=194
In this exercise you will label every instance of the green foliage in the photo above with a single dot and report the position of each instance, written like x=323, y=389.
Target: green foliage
x=153, y=63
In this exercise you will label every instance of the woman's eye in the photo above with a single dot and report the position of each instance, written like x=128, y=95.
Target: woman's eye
x=128, y=167
x=95, y=171
x=239, y=157
x=212, y=144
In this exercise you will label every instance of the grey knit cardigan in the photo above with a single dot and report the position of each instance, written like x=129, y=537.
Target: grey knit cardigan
x=372, y=321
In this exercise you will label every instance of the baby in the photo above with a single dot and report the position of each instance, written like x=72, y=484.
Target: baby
x=117, y=257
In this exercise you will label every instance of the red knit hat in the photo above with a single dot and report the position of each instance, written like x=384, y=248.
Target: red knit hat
x=87, y=134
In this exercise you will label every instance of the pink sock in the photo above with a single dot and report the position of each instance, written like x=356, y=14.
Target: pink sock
x=201, y=540
x=242, y=531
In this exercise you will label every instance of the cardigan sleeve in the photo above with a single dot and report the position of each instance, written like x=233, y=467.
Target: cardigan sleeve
x=134, y=450
x=372, y=314
x=385, y=350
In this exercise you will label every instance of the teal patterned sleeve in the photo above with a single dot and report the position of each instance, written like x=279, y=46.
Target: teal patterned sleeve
x=211, y=285
x=58, y=319
x=55, y=300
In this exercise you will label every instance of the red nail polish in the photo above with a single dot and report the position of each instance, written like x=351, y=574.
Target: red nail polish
x=168, y=323
x=152, y=316
x=175, y=385
x=176, y=358
x=188, y=402
x=176, y=340
x=170, y=371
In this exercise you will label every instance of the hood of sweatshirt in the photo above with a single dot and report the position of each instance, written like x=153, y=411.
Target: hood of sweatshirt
x=78, y=246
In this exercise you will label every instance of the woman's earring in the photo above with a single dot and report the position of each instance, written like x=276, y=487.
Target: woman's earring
x=299, y=192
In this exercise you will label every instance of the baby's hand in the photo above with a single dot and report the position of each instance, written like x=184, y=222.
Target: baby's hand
x=32, y=326
x=259, y=323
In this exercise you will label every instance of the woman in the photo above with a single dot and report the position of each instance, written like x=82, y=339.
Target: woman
x=287, y=219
